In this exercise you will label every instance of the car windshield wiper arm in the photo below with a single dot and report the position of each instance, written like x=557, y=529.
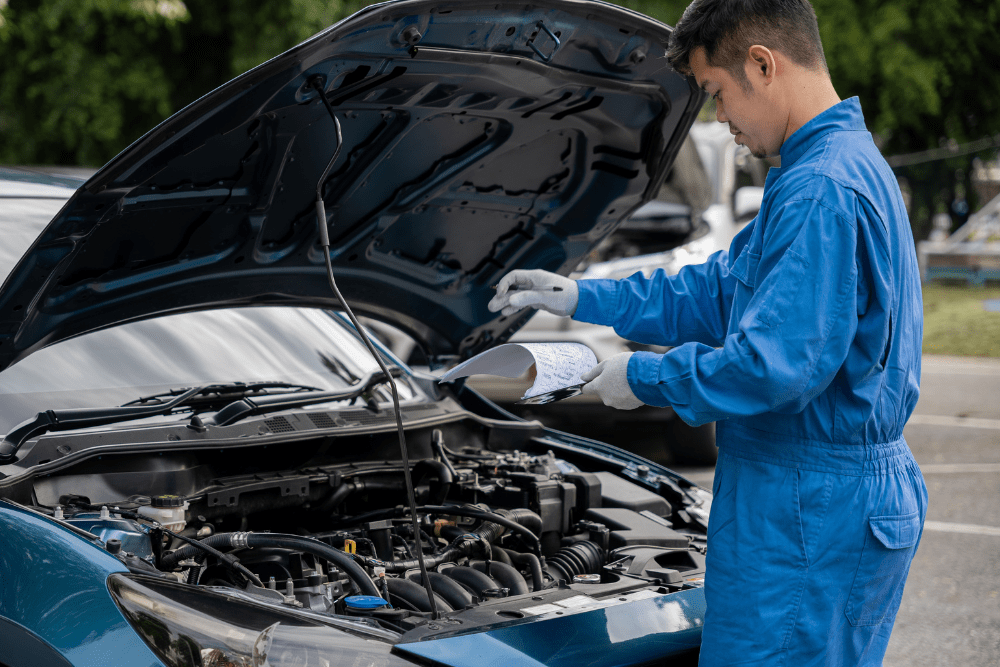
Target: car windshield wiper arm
x=216, y=393
x=249, y=406
x=148, y=406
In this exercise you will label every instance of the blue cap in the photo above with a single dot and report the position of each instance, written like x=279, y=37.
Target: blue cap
x=364, y=602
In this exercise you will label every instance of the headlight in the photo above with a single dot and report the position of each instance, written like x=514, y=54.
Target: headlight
x=186, y=626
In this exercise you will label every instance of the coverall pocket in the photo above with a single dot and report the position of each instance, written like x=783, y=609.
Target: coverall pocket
x=781, y=288
x=885, y=561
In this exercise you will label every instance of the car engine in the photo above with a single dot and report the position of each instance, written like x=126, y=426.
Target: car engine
x=508, y=528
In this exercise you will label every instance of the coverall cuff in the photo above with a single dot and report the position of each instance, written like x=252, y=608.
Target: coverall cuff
x=598, y=300
x=643, y=378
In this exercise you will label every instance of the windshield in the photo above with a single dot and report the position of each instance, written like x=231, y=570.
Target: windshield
x=114, y=366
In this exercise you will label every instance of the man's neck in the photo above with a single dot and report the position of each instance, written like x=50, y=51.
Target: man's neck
x=810, y=94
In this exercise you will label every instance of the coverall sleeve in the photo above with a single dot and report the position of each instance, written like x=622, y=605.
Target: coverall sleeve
x=693, y=305
x=796, y=329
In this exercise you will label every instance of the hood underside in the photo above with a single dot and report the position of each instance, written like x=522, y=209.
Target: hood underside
x=477, y=138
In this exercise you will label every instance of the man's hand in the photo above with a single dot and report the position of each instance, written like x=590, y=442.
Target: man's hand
x=609, y=381
x=537, y=289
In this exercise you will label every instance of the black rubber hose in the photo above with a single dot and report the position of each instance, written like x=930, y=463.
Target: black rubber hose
x=534, y=565
x=525, y=517
x=337, y=496
x=452, y=591
x=582, y=557
x=505, y=575
x=306, y=544
x=471, y=579
x=492, y=531
x=414, y=595
x=438, y=470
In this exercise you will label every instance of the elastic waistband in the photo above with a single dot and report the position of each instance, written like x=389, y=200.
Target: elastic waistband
x=849, y=459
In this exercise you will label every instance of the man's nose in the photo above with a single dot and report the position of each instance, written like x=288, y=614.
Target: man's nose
x=720, y=112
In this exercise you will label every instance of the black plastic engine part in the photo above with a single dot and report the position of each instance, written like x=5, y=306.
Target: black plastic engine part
x=664, y=564
x=618, y=492
x=579, y=558
x=472, y=579
x=380, y=533
x=631, y=528
x=505, y=575
x=588, y=489
x=449, y=589
x=413, y=596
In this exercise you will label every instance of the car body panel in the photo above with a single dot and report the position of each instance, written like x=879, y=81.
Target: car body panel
x=472, y=144
x=70, y=609
x=633, y=632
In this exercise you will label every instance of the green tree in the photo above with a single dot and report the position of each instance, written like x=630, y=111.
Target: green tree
x=78, y=75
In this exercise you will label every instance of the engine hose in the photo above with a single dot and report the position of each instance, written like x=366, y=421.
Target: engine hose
x=438, y=470
x=414, y=596
x=534, y=565
x=336, y=497
x=306, y=544
x=523, y=517
x=582, y=557
x=452, y=592
x=505, y=575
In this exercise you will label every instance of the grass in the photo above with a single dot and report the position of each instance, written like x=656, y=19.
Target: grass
x=956, y=323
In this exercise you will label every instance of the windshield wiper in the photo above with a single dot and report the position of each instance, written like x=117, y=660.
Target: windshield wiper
x=242, y=400
x=218, y=393
x=249, y=406
x=148, y=406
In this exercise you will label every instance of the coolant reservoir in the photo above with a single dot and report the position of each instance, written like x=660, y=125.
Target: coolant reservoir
x=168, y=511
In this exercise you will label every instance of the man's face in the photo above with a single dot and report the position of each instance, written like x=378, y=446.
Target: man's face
x=753, y=117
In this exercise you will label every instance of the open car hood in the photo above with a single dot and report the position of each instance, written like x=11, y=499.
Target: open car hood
x=477, y=138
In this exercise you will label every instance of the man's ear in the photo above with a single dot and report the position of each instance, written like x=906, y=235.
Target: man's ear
x=761, y=64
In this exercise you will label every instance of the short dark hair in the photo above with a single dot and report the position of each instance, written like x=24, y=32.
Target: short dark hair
x=726, y=29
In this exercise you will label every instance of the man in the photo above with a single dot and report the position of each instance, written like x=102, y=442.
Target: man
x=802, y=343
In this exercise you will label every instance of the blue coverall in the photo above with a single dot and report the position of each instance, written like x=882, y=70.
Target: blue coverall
x=803, y=344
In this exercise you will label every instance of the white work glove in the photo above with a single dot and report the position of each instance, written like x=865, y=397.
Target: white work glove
x=609, y=381
x=537, y=289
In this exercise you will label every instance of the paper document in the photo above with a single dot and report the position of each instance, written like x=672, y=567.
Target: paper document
x=558, y=367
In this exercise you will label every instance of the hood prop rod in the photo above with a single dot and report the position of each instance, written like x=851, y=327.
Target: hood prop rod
x=324, y=241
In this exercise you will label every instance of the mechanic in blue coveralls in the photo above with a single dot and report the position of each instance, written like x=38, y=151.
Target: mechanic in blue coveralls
x=802, y=342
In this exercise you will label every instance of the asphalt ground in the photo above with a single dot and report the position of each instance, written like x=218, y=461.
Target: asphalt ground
x=950, y=614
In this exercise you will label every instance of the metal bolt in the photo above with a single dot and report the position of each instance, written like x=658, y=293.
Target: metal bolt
x=272, y=584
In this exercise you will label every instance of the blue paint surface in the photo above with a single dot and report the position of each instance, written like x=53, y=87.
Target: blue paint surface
x=627, y=634
x=55, y=585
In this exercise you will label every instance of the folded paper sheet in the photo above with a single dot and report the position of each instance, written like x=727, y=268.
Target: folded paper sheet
x=558, y=366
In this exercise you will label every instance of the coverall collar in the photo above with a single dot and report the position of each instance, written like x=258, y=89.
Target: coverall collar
x=845, y=115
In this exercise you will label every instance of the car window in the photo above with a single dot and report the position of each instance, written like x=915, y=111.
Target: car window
x=22, y=220
x=113, y=366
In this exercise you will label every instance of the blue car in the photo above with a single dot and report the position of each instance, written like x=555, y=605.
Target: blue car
x=203, y=465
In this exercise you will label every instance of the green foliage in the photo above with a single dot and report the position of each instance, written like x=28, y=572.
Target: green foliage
x=79, y=74
x=81, y=79
x=924, y=71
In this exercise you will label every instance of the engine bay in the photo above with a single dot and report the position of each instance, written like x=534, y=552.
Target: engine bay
x=513, y=523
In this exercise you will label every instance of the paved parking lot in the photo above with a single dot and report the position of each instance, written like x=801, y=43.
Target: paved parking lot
x=950, y=613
